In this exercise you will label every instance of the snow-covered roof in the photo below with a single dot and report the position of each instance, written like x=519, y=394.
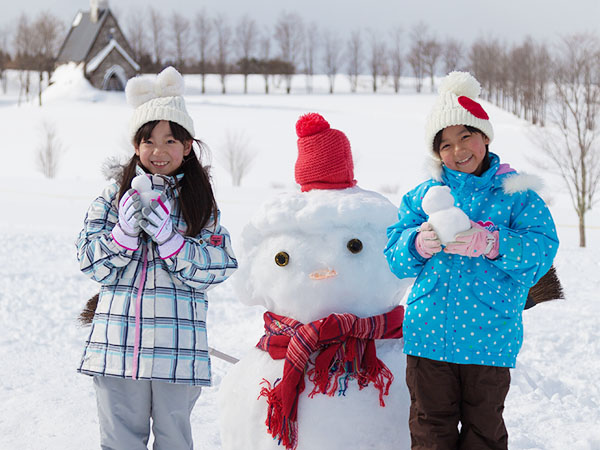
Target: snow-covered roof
x=81, y=37
x=102, y=54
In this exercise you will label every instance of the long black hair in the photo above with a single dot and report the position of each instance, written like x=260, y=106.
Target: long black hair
x=196, y=197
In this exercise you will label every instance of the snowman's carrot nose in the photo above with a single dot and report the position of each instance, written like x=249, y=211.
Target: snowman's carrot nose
x=323, y=274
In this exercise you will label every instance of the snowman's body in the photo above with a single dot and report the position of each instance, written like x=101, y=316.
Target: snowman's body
x=354, y=421
x=322, y=276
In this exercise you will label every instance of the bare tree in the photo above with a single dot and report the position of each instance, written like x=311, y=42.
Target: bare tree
x=47, y=40
x=452, y=55
x=432, y=50
x=136, y=34
x=223, y=47
x=289, y=34
x=50, y=151
x=24, y=45
x=265, y=53
x=354, y=52
x=397, y=60
x=245, y=41
x=237, y=156
x=203, y=38
x=311, y=39
x=571, y=142
x=483, y=58
x=331, y=57
x=418, y=37
x=180, y=33
x=4, y=58
x=157, y=26
x=376, y=58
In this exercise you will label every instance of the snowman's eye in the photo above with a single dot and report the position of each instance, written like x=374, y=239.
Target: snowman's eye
x=354, y=245
x=282, y=259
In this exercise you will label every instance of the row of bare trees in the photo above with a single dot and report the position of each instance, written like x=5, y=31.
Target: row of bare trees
x=35, y=45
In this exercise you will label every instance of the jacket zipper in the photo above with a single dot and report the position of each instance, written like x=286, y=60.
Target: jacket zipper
x=138, y=307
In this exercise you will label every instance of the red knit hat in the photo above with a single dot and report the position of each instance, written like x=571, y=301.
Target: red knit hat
x=324, y=155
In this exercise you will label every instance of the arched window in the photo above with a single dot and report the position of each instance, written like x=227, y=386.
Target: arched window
x=114, y=79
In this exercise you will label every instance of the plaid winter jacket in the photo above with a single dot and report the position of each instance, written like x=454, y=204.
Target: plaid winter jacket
x=166, y=340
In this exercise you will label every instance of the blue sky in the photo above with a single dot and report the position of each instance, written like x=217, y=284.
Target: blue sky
x=465, y=20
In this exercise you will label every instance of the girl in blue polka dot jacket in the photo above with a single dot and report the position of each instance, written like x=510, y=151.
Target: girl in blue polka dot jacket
x=463, y=325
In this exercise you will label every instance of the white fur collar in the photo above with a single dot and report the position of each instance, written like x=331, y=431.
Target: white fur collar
x=520, y=182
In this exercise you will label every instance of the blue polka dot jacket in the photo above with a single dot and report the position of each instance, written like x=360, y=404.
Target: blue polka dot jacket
x=468, y=310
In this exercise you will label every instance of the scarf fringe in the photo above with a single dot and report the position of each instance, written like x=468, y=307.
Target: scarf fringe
x=280, y=426
x=346, y=351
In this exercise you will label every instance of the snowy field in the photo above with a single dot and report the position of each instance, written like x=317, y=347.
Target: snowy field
x=554, y=402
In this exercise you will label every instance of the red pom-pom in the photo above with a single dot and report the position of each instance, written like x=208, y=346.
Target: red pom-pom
x=473, y=107
x=311, y=123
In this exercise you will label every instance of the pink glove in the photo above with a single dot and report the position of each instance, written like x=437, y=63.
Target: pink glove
x=427, y=242
x=476, y=241
x=126, y=231
x=157, y=223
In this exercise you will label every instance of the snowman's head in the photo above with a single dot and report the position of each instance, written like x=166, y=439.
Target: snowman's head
x=437, y=198
x=307, y=255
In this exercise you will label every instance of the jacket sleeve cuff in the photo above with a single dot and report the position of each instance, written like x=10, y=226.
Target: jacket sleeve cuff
x=124, y=240
x=171, y=247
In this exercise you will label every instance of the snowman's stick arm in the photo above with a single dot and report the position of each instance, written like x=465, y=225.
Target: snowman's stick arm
x=224, y=356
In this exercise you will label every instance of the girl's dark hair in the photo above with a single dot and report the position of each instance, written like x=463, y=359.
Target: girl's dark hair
x=437, y=141
x=196, y=197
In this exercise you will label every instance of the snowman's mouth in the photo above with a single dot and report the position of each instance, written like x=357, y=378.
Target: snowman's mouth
x=322, y=274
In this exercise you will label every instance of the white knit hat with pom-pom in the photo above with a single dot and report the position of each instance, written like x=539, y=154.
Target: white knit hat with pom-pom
x=158, y=98
x=456, y=105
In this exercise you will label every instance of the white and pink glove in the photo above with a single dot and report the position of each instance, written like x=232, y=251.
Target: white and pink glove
x=126, y=231
x=157, y=223
x=427, y=242
x=476, y=241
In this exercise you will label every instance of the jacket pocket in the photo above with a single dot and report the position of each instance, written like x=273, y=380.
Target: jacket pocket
x=501, y=297
x=422, y=287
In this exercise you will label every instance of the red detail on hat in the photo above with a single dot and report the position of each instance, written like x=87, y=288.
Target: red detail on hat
x=324, y=155
x=473, y=107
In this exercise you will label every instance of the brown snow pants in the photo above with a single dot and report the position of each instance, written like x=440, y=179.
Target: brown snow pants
x=444, y=394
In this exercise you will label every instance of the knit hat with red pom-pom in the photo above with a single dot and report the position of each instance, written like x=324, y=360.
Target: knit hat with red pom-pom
x=457, y=105
x=324, y=155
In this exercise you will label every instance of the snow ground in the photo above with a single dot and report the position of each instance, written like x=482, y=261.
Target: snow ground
x=554, y=402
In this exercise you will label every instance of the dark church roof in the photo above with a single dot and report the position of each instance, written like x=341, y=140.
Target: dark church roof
x=81, y=37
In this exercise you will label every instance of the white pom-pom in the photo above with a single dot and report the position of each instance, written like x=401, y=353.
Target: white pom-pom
x=169, y=83
x=460, y=83
x=139, y=90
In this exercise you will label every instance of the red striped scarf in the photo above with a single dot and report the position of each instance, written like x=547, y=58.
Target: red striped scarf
x=346, y=345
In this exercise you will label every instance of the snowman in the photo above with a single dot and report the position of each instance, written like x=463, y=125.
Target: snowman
x=329, y=371
x=446, y=219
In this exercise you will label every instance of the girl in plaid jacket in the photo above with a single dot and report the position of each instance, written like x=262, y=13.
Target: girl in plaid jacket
x=147, y=347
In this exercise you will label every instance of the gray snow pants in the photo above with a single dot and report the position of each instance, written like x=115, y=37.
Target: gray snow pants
x=125, y=407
